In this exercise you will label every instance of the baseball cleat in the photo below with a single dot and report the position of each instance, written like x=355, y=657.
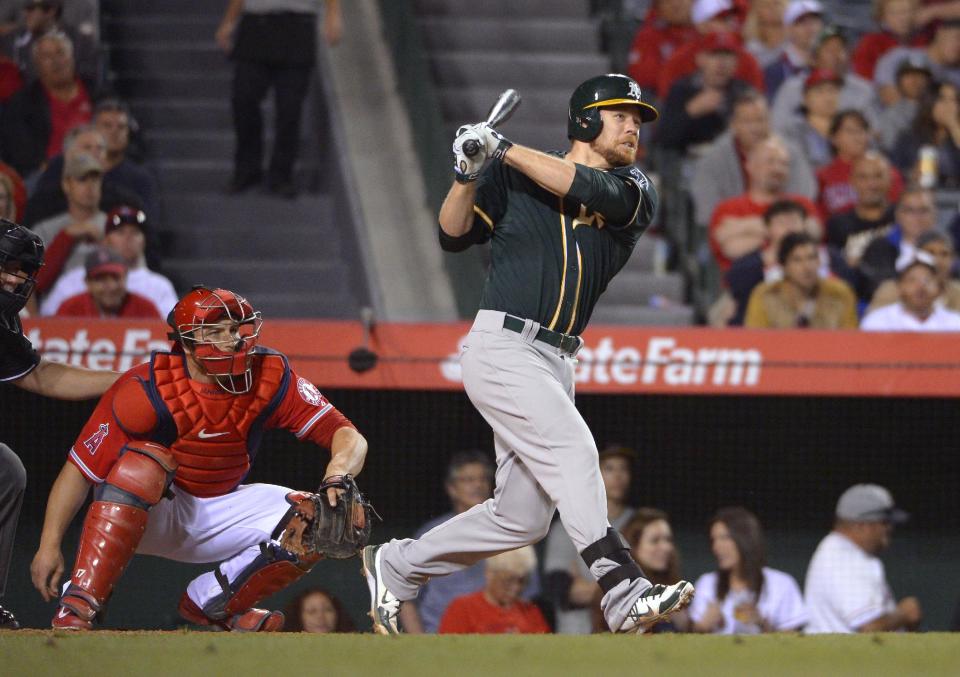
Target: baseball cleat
x=384, y=606
x=656, y=604
x=7, y=620
x=251, y=620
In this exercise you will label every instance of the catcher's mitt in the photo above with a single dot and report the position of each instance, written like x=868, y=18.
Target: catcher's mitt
x=336, y=533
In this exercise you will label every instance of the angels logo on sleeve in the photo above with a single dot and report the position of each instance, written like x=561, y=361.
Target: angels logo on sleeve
x=93, y=442
x=309, y=392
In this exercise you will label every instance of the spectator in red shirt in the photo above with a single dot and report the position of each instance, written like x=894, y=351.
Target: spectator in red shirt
x=709, y=16
x=36, y=119
x=850, y=138
x=659, y=37
x=498, y=608
x=107, y=294
x=896, y=19
x=737, y=227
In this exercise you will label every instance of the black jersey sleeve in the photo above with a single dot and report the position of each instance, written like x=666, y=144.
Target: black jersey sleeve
x=488, y=208
x=624, y=196
x=17, y=356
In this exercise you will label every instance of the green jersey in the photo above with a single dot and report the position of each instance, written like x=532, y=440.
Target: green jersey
x=552, y=257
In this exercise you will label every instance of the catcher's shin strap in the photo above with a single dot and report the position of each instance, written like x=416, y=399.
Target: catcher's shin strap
x=565, y=342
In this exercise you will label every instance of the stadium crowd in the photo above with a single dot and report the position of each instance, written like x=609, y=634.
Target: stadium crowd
x=845, y=590
x=71, y=167
x=784, y=123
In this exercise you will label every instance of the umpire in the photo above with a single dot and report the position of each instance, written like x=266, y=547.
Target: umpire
x=561, y=226
x=273, y=44
x=21, y=255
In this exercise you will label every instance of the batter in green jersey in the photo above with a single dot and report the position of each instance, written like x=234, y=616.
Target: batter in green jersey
x=561, y=226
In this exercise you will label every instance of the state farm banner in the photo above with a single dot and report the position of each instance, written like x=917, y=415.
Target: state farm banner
x=614, y=359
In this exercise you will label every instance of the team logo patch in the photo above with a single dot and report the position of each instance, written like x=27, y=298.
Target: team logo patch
x=634, y=90
x=309, y=392
x=93, y=442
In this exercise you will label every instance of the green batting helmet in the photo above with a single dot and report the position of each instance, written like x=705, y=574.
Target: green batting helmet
x=583, y=117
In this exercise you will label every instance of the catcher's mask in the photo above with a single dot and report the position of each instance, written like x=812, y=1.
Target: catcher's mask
x=21, y=256
x=220, y=328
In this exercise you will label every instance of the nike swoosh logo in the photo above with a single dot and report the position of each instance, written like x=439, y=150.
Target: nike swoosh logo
x=204, y=435
x=63, y=613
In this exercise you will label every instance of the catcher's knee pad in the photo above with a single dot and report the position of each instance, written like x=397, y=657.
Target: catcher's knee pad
x=281, y=561
x=140, y=477
x=614, y=548
x=115, y=523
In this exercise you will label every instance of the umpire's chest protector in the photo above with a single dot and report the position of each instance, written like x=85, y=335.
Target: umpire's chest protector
x=213, y=435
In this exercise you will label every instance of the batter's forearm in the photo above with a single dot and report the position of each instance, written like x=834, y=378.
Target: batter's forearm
x=456, y=213
x=67, y=495
x=347, y=453
x=552, y=173
x=66, y=382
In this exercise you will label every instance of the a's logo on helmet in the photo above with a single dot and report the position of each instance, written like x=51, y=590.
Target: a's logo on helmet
x=634, y=91
x=309, y=392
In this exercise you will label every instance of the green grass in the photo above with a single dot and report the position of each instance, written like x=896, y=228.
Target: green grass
x=35, y=653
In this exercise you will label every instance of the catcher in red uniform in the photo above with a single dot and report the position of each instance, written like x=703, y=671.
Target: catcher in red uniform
x=167, y=450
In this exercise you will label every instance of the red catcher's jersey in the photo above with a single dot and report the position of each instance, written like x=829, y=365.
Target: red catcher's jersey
x=213, y=434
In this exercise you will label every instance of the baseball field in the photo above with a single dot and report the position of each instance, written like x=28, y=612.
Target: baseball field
x=33, y=653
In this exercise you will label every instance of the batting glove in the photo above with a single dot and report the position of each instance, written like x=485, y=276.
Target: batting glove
x=467, y=167
x=495, y=142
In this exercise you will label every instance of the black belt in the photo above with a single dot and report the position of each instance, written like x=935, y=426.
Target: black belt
x=565, y=342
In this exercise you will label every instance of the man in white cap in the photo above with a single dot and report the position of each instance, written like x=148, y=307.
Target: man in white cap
x=803, y=20
x=920, y=286
x=846, y=588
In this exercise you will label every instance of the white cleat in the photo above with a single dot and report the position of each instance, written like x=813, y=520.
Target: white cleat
x=384, y=606
x=655, y=605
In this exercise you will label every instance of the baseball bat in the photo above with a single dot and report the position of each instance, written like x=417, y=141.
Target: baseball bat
x=499, y=113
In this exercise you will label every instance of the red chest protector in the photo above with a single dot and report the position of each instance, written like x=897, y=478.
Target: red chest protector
x=214, y=438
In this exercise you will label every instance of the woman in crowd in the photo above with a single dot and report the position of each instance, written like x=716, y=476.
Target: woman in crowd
x=651, y=543
x=850, y=136
x=317, y=610
x=743, y=596
x=935, y=131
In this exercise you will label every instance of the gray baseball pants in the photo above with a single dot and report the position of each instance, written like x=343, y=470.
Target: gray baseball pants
x=13, y=482
x=546, y=460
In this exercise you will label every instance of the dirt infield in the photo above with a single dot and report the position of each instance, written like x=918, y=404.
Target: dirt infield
x=35, y=653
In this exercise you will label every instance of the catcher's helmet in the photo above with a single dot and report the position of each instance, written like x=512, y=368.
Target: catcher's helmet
x=583, y=117
x=227, y=356
x=19, y=245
